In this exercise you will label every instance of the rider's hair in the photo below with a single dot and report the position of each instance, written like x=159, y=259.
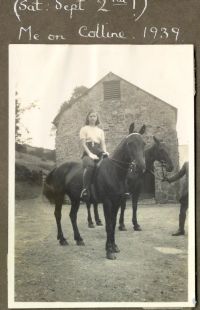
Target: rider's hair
x=87, y=118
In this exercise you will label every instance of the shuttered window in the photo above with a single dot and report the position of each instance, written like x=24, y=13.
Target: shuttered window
x=112, y=90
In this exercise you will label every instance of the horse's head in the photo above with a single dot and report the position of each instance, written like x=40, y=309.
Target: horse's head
x=135, y=151
x=162, y=155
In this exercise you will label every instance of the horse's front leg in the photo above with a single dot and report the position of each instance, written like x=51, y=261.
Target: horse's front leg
x=136, y=226
x=108, y=209
x=89, y=218
x=121, y=218
x=96, y=215
x=57, y=213
x=114, y=214
x=73, y=216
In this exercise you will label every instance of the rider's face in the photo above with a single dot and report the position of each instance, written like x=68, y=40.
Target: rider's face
x=92, y=118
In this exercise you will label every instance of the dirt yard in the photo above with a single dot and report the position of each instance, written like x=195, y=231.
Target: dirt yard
x=152, y=265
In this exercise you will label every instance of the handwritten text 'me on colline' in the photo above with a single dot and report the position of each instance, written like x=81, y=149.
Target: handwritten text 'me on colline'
x=99, y=32
x=30, y=6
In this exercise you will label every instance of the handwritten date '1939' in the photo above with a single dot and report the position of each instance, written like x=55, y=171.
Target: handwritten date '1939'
x=161, y=33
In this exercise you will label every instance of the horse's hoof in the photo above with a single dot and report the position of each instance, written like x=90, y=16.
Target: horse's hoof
x=91, y=225
x=80, y=242
x=63, y=242
x=115, y=248
x=122, y=228
x=110, y=255
x=137, y=228
x=99, y=223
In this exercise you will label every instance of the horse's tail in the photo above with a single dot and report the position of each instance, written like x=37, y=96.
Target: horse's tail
x=48, y=188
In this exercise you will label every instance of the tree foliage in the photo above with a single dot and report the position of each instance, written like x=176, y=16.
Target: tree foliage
x=17, y=120
x=19, y=110
x=77, y=92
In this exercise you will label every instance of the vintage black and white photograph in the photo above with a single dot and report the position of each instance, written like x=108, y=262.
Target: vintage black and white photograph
x=101, y=176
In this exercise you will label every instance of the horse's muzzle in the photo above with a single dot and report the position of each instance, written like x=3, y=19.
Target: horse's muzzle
x=168, y=166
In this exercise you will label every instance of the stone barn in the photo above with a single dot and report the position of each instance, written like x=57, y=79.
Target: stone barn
x=120, y=103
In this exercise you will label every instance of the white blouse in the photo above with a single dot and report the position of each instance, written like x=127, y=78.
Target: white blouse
x=92, y=134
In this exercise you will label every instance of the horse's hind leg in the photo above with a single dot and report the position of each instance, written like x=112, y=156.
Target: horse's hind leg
x=96, y=215
x=57, y=213
x=122, y=226
x=90, y=222
x=73, y=217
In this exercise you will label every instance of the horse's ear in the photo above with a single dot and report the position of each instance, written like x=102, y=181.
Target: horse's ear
x=142, y=129
x=156, y=140
x=131, y=128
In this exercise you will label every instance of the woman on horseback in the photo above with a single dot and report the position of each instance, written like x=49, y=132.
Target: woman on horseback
x=93, y=141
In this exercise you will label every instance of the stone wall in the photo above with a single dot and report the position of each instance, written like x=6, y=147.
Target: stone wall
x=136, y=106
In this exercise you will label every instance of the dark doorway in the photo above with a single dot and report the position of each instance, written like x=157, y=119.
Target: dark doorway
x=148, y=186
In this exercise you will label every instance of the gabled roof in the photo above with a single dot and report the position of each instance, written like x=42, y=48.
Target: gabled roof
x=56, y=119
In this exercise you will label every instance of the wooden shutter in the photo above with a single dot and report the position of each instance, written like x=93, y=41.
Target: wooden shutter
x=112, y=90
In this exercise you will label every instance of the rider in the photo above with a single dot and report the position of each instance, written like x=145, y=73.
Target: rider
x=184, y=171
x=93, y=142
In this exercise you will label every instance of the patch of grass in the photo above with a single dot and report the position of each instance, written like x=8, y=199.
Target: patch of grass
x=34, y=163
x=28, y=178
x=27, y=190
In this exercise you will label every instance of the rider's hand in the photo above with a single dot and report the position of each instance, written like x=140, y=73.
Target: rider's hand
x=93, y=156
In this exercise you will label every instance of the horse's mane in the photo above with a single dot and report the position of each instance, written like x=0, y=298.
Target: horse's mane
x=119, y=146
x=123, y=141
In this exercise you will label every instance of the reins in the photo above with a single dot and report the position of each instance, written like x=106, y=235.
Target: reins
x=119, y=164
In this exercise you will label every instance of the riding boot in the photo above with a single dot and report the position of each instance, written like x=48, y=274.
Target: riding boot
x=181, y=230
x=87, y=180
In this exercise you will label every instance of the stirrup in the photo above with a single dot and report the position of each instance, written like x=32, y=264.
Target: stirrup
x=126, y=195
x=85, y=195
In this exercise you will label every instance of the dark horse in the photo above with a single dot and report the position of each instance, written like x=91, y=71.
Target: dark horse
x=156, y=152
x=96, y=215
x=109, y=187
x=95, y=204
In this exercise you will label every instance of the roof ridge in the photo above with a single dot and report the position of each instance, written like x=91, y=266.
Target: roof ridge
x=109, y=73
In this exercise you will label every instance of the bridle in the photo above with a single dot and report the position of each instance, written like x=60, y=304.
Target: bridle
x=124, y=165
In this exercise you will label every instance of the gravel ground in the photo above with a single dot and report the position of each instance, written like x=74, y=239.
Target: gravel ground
x=152, y=265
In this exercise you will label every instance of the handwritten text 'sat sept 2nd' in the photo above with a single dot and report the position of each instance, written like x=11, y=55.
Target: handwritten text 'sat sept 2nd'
x=136, y=7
